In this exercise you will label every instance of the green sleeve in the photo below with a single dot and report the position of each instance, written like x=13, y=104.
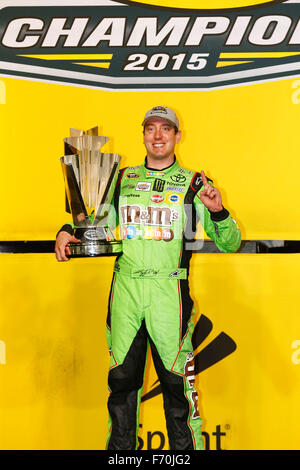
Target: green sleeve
x=219, y=226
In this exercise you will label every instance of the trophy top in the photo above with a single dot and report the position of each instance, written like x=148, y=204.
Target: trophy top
x=80, y=132
x=80, y=139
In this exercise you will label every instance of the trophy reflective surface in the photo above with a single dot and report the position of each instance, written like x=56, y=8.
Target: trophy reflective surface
x=90, y=178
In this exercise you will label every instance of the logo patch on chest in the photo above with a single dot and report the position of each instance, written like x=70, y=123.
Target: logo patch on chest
x=159, y=185
x=173, y=198
x=157, y=198
x=143, y=186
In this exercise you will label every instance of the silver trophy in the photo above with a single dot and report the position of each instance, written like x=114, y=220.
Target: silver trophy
x=90, y=179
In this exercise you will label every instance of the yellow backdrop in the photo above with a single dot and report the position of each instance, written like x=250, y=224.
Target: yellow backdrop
x=245, y=138
x=53, y=356
x=54, y=359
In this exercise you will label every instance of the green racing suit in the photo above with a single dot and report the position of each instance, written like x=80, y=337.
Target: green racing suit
x=150, y=302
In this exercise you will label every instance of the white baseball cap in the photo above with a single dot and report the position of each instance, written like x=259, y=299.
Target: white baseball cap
x=164, y=113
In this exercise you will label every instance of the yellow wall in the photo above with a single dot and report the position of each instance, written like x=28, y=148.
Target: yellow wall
x=53, y=356
x=53, y=374
x=245, y=138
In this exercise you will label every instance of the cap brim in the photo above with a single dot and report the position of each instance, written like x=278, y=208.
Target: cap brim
x=173, y=124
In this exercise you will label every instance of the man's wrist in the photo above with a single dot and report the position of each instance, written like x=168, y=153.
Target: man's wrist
x=219, y=215
x=218, y=209
x=66, y=228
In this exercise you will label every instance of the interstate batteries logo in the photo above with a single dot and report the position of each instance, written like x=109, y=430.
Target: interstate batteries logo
x=155, y=45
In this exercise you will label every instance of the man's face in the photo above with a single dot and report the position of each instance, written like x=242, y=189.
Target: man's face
x=160, y=138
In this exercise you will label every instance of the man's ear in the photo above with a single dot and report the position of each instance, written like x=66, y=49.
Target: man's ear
x=178, y=136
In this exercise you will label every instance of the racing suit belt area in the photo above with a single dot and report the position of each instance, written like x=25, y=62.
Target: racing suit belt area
x=150, y=300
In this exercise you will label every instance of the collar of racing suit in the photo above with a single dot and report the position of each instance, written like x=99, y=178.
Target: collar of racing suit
x=166, y=170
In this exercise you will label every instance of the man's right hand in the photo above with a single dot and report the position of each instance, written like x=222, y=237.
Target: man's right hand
x=61, y=245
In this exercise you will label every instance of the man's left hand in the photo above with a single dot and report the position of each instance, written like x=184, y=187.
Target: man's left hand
x=210, y=196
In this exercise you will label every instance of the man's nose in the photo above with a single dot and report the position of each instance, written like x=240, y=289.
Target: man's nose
x=157, y=133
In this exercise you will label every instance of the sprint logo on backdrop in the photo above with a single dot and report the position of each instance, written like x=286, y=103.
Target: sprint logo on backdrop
x=215, y=351
x=159, y=44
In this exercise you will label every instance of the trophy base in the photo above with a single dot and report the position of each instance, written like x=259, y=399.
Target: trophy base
x=95, y=248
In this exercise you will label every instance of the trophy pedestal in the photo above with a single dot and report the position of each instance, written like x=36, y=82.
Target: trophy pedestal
x=96, y=248
x=95, y=241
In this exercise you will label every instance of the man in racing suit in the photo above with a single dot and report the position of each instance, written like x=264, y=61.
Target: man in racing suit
x=159, y=204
